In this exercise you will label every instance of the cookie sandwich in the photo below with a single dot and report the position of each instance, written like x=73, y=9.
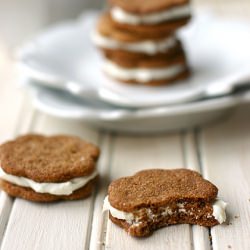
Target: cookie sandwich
x=134, y=34
x=48, y=168
x=156, y=198
x=150, y=17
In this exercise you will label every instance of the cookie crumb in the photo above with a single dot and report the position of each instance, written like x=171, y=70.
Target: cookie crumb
x=229, y=246
x=236, y=216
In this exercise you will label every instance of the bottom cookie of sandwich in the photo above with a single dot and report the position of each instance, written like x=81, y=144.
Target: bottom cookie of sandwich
x=182, y=76
x=147, y=76
x=191, y=214
x=29, y=194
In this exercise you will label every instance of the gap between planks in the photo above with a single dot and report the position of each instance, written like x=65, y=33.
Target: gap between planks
x=96, y=235
x=225, y=159
x=6, y=203
x=192, y=237
x=69, y=221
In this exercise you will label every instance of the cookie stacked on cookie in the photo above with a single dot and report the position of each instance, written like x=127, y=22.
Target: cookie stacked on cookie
x=138, y=39
x=41, y=168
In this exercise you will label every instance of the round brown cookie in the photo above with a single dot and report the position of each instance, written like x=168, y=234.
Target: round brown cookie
x=151, y=62
x=158, y=30
x=29, y=194
x=117, y=54
x=107, y=27
x=48, y=159
x=158, y=187
x=147, y=6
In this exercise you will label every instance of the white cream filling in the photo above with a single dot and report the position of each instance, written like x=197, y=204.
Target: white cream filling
x=62, y=188
x=122, y=16
x=149, y=47
x=219, y=211
x=129, y=217
x=142, y=75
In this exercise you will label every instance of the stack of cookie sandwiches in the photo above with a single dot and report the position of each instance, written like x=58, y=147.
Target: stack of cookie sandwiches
x=139, y=42
x=41, y=168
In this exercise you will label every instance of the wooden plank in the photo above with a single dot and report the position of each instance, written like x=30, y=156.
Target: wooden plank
x=16, y=116
x=49, y=125
x=99, y=223
x=201, y=239
x=130, y=155
x=6, y=202
x=60, y=225
x=226, y=159
x=47, y=226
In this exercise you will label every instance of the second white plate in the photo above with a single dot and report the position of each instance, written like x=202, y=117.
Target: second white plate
x=159, y=119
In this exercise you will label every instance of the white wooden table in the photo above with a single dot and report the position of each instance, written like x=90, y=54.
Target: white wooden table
x=220, y=151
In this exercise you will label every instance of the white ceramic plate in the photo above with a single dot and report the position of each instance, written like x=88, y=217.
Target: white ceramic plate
x=64, y=57
x=61, y=104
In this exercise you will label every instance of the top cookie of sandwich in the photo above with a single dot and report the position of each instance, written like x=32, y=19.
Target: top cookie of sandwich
x=147, y=6
x=48, y=159
x=158, y=187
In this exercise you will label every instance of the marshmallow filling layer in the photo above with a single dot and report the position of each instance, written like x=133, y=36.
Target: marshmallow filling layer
x=122, y=16
x=219, y=212
x=60, y=188
x=142, y=75
x=149, y=47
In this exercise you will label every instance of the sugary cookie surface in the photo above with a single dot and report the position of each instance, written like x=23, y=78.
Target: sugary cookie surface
x=48, y=159
x=159, y=187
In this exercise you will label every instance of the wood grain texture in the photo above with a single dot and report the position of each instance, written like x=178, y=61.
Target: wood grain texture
x=191, y=151
x=16, y=116
x=59, y=225
x=6, y=203
x=99, y=223
x=47, y=226
x=226, y=160
x=130, y=155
